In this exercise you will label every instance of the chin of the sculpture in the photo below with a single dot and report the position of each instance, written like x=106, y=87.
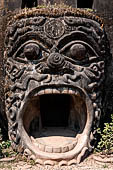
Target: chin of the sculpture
x=55, y=123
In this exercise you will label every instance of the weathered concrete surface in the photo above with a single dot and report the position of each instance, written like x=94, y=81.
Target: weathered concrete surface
x=105, y=10
x=103, y=5
x=10, y=4
x=3, y=121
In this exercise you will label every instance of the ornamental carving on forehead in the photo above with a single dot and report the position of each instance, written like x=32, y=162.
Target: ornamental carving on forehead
x=54, y=28
x=54, y=75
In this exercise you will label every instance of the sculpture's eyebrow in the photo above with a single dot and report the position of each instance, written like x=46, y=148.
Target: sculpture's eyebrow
x=29, y=36
x=78, y=36
x=80, y=42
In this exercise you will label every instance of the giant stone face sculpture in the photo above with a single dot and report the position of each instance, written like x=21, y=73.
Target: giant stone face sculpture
x=55, y=62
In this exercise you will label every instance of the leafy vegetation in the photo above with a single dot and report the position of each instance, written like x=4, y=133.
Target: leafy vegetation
x=5, y=144
x=4, y=147
x=105, y=144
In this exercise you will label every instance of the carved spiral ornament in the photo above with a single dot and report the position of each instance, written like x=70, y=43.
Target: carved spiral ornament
x=55, y=61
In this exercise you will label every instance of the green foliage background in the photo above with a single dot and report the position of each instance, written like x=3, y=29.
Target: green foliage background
x=105, y=145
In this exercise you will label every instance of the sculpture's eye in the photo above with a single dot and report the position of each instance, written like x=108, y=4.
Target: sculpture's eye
x=78, y=51
x=32, y=51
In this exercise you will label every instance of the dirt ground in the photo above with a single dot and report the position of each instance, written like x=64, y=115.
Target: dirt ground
x=22, y=164
x=14, y=161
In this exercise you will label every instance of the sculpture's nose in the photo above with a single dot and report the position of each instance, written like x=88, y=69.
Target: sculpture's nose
x=55, y=61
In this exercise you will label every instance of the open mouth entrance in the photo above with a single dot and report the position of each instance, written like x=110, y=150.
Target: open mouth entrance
x=54, y=110
x=52, y=121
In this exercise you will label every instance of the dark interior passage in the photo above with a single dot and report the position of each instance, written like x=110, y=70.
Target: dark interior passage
x=29, y=3
x=54, y=110
x=84, y=3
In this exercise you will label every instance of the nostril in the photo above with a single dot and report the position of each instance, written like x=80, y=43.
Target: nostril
x=55, y=61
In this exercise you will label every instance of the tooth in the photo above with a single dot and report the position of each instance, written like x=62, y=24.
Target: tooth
x=92, y=85
x=32, y=157
x=72, y=162
x=65, y=91
x=55, y=91
x=41, y=147
x=48, y=91
x=41, y=83
x=27, y=152
x=71, y=91
x=49, y=162
x=48, y=149
x=32, y=139
x=94, y=105
x=41, y=92
x=63, y=163
x=36, y=95
x=92, y=136
x=56, y=150
x=93, y=96
x=77, y=93
x=65, y=149
x=39, y=161
x=97, y=115
x=71, y=146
